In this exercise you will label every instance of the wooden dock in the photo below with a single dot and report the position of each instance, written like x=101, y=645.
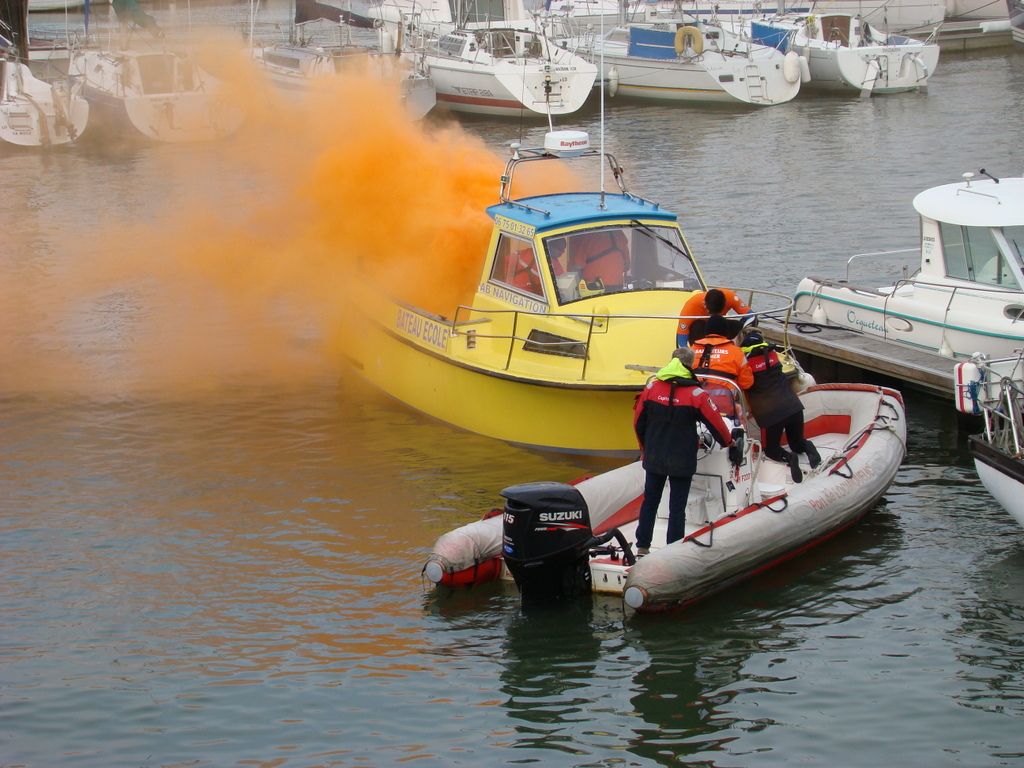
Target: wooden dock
x=963, y=36
x=833, y=355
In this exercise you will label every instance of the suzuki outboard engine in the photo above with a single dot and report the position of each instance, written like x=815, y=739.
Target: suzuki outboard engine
x=547, y=540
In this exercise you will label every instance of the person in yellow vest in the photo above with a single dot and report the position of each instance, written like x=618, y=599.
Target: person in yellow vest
x=665, y=421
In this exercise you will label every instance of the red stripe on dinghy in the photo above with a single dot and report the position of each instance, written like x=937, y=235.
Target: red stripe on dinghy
x=482, y=572
x=627, y=514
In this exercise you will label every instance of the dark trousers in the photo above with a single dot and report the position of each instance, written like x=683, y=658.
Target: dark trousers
x=678, y=491
x=794, y=429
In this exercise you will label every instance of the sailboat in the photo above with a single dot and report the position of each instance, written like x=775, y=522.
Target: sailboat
x=846, y=53
x=150, y=91
x=505, y=64
x=297, y=64
x=33, y=113
x=679, y=60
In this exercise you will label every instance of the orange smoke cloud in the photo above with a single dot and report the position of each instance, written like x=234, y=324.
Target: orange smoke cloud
x=240, y=275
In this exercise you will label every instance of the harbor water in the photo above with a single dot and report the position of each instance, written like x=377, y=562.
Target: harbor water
x=211, y=533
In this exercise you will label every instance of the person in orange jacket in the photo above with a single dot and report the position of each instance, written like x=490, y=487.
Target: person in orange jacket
x=602, y=255
x=717, y=354
x=716, y=301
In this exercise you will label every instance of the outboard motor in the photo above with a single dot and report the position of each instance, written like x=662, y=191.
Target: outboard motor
x=547, y=540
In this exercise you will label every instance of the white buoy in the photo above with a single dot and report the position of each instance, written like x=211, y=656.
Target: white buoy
x=613, y=82
x=434, y=571
x=634, y=597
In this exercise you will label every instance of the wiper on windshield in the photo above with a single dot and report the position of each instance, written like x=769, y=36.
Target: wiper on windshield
x=667, y=242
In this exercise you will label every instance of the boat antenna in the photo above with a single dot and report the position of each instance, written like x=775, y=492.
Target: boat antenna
x=601, y=72
x=983, y=172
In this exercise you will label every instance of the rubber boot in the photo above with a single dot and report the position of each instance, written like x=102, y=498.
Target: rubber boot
x=812, y=454
x=794, y=467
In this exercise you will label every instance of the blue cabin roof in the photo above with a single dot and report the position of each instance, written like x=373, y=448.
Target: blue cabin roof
x=571, y=208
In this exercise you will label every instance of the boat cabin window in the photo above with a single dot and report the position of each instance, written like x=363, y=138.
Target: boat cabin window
x=515, y=265
x=501, y=43
x=972, y=253
x=451, y=45
x=156, y=72
x=619, y=259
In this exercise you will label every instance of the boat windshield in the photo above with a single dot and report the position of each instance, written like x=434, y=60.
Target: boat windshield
x=973, y=253
x=1015, y=239
x=619, y=259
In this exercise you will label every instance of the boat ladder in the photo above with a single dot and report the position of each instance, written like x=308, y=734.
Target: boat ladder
x=755, y=84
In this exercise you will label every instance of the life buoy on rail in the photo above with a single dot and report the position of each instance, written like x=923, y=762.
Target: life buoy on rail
x=696, y=40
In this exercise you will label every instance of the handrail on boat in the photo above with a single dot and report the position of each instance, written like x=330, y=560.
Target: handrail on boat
x=595, y=324
x=849, y=261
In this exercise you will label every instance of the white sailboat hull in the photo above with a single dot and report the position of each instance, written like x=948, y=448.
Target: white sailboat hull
x=34, y=113
x=715, y=79
x=168, y=99
x=507, y=88
x=879, y=69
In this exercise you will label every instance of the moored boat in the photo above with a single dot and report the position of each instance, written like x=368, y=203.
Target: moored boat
x=33, y=112
x=158, y=94
x=559, y=540
x=967, y=293
x=577, y=302
x=1016, y=19
x=994, y=390
x=310, y=58
x=846, y=53
x=678, y=61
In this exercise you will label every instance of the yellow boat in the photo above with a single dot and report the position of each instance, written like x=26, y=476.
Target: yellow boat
x=577, y=304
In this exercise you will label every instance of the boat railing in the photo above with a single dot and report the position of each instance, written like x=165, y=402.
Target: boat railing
x=1012, y=312
x=905, y=267
x=468, y=321
x=1001, y=399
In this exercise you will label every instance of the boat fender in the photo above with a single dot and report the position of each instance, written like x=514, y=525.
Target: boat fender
x=805, y=70
x=791, y=67
x=387, y=41
x=689, y=37
x=635, y=597
x=613, y=82
x=967, y=379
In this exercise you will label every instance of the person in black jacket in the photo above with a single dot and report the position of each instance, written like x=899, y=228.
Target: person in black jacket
x=665, y=420
x=775, y=406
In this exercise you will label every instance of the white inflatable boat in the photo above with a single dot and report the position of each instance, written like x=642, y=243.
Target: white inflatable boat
x=559, y=540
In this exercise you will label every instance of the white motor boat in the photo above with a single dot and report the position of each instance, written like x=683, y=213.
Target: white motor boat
x=703, y=62
x=846, y=53
x=33, y=113
x=967, y=294
x=994, y=390
x=161, y=95
x=557, y=540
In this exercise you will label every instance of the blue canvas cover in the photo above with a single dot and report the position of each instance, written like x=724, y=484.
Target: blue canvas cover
x=773, y=37
x=651, y=43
